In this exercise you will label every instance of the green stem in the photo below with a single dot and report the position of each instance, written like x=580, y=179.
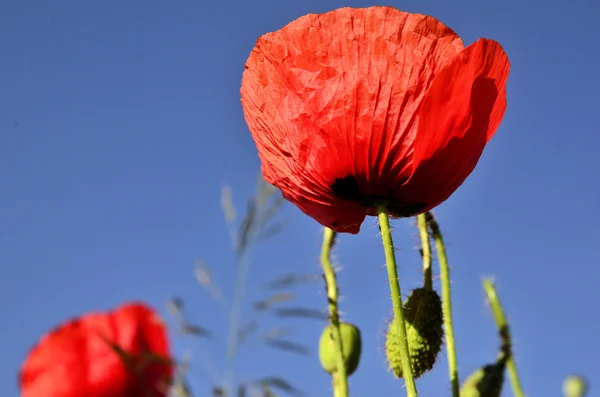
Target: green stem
x=339, y=378
x=390, y=259
x=337, y=390
x=446, y=302
x=425, y=251
x=502, y=325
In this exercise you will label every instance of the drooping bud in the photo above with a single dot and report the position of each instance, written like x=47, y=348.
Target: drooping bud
x=575, y=386
x=351, y=348
x=487, y=381
x=424, y=332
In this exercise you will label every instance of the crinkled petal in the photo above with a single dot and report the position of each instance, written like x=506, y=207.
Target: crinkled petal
x=336, y=95
x=460, y=113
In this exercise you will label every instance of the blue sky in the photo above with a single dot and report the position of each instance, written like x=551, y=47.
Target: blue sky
x=120, y=121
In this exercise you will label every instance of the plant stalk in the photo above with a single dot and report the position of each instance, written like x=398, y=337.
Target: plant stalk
x=502, y=325
x=390, y=259
x=425, y=251
x=446, y=302
x=339, y=378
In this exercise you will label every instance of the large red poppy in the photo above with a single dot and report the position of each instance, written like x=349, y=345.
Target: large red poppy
x=355, y=106
x=122, y=353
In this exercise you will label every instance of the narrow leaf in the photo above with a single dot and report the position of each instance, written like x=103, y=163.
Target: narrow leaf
x=277, y=333
x=204, y=277
x=281, y=384
x=227, y=204
x=300, y=312
x=288, y=346
x=246, y=228
x=195, y=330
x=273, y=300
x=290, y=280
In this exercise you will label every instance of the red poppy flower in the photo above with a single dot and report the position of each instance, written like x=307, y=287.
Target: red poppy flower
x=356, y=106
x=123, y=353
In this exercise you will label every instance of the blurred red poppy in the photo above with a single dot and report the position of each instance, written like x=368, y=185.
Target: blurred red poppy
x=122, y=353
x=357, y=106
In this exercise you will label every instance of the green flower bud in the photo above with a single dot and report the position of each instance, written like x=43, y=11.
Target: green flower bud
x=575, y=386
x=485, y=382
x=351, y=347
x=424, y=332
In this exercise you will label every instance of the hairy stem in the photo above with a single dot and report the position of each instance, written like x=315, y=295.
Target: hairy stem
x=339, y=378
x=503, y=329
x=425, y=251
x=446, y=302
x=390, y=259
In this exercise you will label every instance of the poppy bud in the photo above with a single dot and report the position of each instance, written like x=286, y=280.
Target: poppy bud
x=486, y=381
x=424, y=332
x=575, y=386
x=351, y=347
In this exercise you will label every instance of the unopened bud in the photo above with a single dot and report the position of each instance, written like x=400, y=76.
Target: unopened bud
x=424, y=332
x=351, y=347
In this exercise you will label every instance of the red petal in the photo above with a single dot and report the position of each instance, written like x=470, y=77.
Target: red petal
x=460, y=113
x=334, y=95
x=75, y=359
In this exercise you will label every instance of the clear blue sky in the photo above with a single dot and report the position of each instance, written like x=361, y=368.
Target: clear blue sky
x=120, y=121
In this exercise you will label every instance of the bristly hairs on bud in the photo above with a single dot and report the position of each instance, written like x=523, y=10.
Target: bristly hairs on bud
x=423, y=318
x=424, y=328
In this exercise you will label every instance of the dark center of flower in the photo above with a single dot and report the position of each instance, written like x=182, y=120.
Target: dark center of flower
x=347, y=188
